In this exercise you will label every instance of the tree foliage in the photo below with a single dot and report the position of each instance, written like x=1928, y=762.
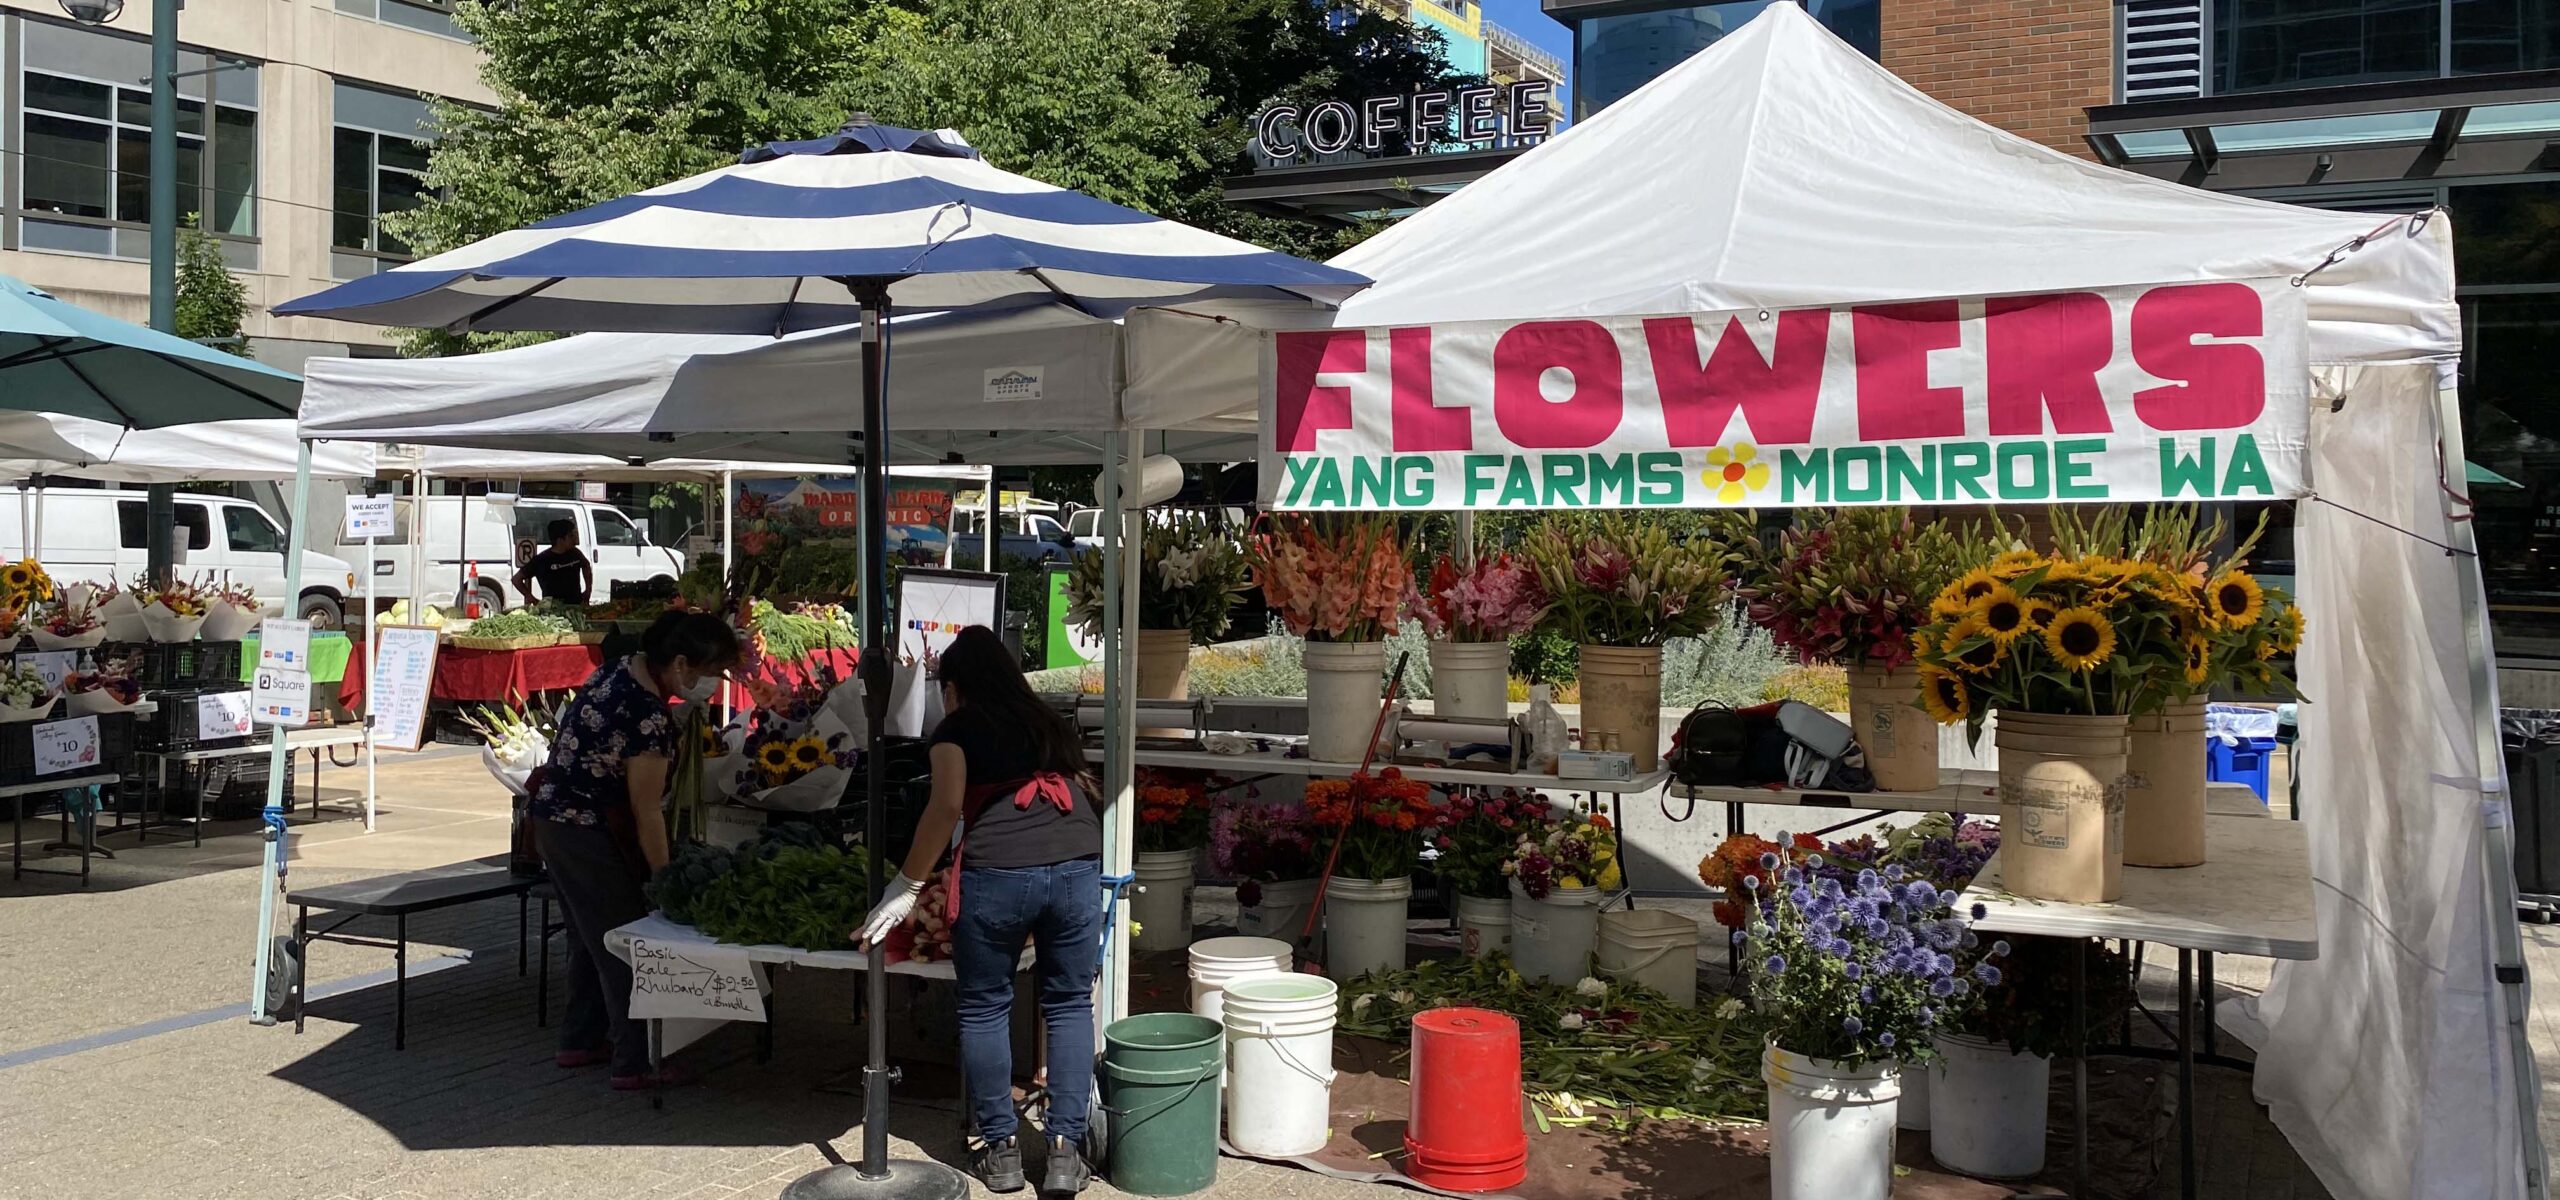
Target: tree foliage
x=211, y=301
x=1144, y=102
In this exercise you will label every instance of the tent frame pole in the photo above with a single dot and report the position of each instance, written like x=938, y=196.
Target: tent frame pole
x=2497, y=837
x=273, y=830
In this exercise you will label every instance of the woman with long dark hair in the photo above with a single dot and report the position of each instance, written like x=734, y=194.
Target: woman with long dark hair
x=598, y=815
x=1008, y=772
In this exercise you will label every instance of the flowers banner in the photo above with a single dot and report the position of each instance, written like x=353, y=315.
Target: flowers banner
x=2186, y=390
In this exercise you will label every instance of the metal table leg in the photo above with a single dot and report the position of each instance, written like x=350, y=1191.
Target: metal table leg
x=2212, y=1028
x=2080, y=1074
x=400, y=987
x=301, y=977
x=520, y=907
x=542, y=980
x=2186, y=1075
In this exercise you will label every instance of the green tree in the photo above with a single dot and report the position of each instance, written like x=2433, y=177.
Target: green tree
x=212, y=302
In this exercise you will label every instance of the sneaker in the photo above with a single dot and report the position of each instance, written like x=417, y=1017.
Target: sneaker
x=666, y=1076
x=570, y=1060
x=1067, y=1173
x=998, y=1165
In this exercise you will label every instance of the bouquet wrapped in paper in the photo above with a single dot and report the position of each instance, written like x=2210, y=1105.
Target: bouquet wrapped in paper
x=517, y=743
x=231, y=612
x=71, y=623
x=796, y=751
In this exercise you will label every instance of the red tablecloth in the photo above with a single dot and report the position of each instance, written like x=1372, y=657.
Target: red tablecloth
x=504, y=676
x=489, y=676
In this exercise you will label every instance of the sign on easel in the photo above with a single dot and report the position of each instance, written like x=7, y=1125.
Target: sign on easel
x=717, y=983
x=398, y=683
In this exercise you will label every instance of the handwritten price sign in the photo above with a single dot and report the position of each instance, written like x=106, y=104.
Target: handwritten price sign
x=64, y=747
x=718, y=983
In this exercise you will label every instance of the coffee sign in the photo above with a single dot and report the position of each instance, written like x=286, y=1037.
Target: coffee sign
x=1392, y=125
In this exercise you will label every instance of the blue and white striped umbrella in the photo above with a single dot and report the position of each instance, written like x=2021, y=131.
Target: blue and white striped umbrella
x=763, y=247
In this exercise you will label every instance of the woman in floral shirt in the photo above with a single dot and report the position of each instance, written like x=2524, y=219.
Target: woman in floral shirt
x=598, y=813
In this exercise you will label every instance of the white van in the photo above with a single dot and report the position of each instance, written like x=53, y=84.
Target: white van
x=476, y=542
x=100, y=536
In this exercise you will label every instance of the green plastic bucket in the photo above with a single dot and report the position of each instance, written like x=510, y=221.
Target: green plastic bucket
x=1160, y=1102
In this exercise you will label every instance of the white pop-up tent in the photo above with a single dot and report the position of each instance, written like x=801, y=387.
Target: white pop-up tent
x=50, y=444
x=1780, y=168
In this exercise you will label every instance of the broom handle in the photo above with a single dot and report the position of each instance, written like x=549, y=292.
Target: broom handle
x=1315, y=911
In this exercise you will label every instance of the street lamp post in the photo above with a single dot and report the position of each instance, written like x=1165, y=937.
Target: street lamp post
x=162, y=498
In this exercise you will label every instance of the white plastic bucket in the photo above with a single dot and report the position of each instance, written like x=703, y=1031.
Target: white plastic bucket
x=1280, y=1061
x=1484, y=926
x=1282, y=913
x=1345, y=681
x=1471, y=679
x=1552, y=939
x=1364, y=924
x=1912, y=1110
x=1162, y=905
x=1987, y=1113
x=1217, y=962
x=1830, y=1127
x=1652, y=947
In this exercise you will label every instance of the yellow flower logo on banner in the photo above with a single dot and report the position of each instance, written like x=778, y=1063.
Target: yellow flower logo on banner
x=1733, y=473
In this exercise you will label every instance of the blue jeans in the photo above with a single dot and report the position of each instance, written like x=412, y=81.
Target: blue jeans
x=1058, y=908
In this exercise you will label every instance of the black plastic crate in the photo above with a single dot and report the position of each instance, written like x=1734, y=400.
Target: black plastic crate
x=18, y=752
x=173, y=729
x=159, y=666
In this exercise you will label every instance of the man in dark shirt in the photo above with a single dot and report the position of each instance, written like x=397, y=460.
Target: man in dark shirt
x=561, y=571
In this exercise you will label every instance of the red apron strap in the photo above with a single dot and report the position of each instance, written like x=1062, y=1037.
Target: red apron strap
x=1046, y=787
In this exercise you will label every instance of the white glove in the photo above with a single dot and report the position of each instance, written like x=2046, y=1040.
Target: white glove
x=896, y=906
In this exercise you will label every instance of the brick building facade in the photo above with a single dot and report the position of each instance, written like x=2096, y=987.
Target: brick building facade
x=2032, y=67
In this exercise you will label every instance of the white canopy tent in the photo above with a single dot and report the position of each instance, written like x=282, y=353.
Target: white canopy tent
x=49, y=444
x=1782, y=168
x=1034, y=385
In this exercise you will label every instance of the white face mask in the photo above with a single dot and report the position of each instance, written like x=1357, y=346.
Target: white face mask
x=699, y=691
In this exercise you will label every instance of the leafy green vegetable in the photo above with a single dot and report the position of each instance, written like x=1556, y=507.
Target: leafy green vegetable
x=1610, y=1058
x=522, y=622
x=792, y=636
x=792, y=886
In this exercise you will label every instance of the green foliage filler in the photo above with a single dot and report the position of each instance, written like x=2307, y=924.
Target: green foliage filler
x=789, y=887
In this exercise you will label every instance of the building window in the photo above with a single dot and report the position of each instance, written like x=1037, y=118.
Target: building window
x=2262, y=45
x=425, y=16
x=378, y=165
x=85, y=133
x=1615, y=55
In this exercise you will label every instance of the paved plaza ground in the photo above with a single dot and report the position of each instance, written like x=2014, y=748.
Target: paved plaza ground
x=128, y=1069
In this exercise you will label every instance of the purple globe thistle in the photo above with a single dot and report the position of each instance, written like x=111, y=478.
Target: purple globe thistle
x=1962, y=988
x=1853, y=971
x=1928, y=1015
x=1885, y=1039
x=1768, y=861
x=1876, y=927
x=1980, y=910
x=1775, y=964
x=1942, y=988
x=1919, y=894
x=1791, y=876
x=1867, y=877
x=1948, y=898
x=1867, y=994
x=1893, y=872
x=1988, y=974
x=1751, y=882
x=1739, y=937
x=1852, y=1026
x=1799, y=897
x=2000, y=947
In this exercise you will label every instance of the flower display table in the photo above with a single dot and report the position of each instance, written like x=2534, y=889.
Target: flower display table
x=2252, y=895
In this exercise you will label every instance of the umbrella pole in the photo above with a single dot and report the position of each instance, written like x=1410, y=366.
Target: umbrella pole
x=876, y=1177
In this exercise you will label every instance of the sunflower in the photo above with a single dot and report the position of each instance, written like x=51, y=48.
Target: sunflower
x=1949, y=606
x=712, y=746
x=2198, y=658
x=2040, y=612
x=2003, y=615
x=2081, y=638
x=807, y=753
x=2234, y=599
x=2013, y=563
x=1945, y=696
x=2288, y=630
x=1985, y=653
x=16, y=577
x=773, y=756
x=1974, y=584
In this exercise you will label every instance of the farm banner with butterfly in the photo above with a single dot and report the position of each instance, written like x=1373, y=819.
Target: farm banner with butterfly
x=2192, y=391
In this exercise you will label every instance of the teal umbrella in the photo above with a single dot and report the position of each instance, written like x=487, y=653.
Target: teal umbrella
x=2474, y=473
x=61, y=358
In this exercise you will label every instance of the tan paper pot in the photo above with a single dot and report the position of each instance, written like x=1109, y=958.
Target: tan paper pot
x=2062, y=806
x=1900, y=739
x=2164, y=788
x=1622, y=701
x=1164, y=664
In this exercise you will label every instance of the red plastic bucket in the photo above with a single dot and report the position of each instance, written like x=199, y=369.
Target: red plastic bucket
x=1466, y=1135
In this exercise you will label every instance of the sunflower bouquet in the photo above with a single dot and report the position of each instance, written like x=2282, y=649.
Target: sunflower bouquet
x=1618, y=579
x=1334, y=578
x=2230, y=627
x=795, y=754
x=2050, y=633
x=24, y=583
